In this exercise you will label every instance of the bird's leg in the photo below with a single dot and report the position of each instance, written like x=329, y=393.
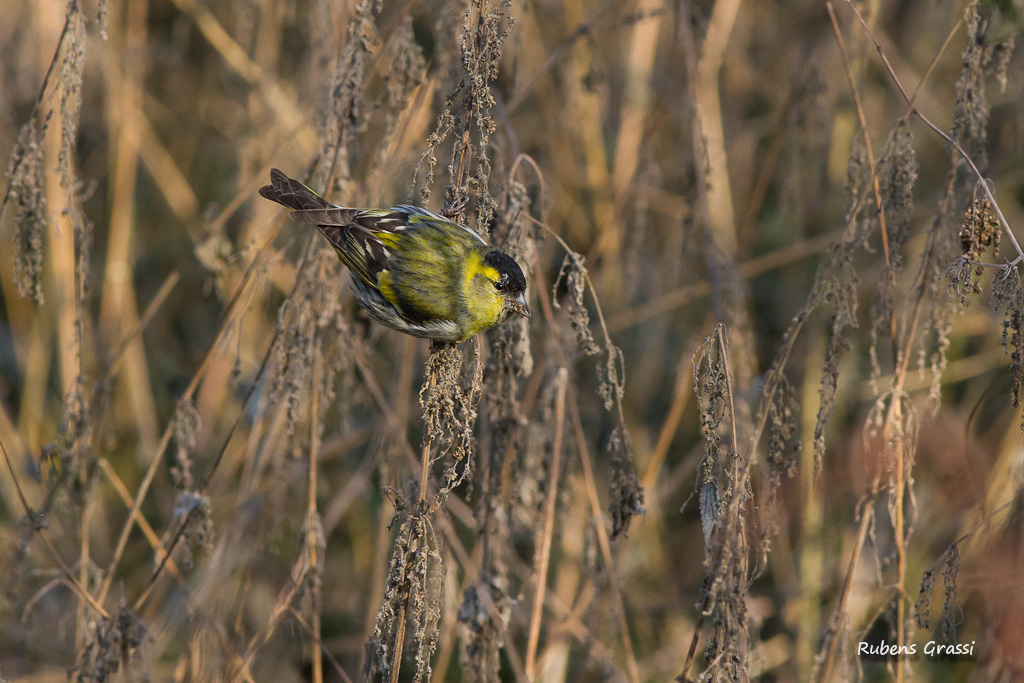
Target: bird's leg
x=455, y=206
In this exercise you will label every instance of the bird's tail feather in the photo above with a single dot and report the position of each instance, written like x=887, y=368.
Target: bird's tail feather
x=292, y=194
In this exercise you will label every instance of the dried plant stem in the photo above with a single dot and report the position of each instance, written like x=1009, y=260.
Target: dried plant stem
x=69, y=576
x=898, y=522
x=987, y=520
x=403, y=610
x=894, y=416
x=982, y=181
x=882, y=227
x=147, y=316
x=550, y=504
x=635, y=171
x=144, y=526
x=313, y=535
x=728, y=382
x=684, y=677
x=170, y=180
x=680, y=398
x=715, y=204
x=300, y=270
x=238, y=61
x=597, y=305
x=867, y=513
x=112, y=369
x=412, y=543
x=412, y=540
x=394, y=419
x=681, y=296
x=428, y=443
x=486, y=517
x=583, y=29
x=57, y=51
x=901, y=551
x=732, y=514
x=165, y=440
x=297, y=616
x=308, y=563
x=208, y=478
x=637, y=105
x=464, y=145
x=604, y=542
x=84, y=561
x=941, y=133
x=125, y=78
x=632, y=670
x=282, y=605
x=901, y=356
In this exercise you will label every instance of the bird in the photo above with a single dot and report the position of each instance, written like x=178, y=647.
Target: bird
x=413, y=270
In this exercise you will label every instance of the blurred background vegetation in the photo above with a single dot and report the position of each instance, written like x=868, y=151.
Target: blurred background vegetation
x=183, y=371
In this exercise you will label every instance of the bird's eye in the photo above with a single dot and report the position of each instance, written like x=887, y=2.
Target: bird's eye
x=499, y=285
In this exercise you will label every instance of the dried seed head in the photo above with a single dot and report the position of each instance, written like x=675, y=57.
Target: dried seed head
x=26, y=189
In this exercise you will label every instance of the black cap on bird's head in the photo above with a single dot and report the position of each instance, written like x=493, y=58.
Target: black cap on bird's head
x=511, y=282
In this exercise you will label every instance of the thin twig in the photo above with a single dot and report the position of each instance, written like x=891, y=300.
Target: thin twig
x=38, y=529
x=70, y=15
x=866, y=514
x=183, y=524
x=338, y=668
x=669, y=427
x=313, y=527
x=165, y=440
x=941, y=133
x=540, y=581
x=882, y=226
x=144, y=526
x=147, y=316
x=603, y=541
x=732, y=514
x=412, y=540
x=282, y=605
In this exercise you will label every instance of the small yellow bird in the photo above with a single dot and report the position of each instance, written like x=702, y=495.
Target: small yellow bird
x=412, y=269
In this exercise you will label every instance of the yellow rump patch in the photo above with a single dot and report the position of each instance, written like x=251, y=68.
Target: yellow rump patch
x=385, y=288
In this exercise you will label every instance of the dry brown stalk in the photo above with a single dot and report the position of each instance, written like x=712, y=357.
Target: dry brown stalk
x=314, y=529
x=615, y=126
x=187, y=517
x=540, y=582
x=733, y=528
x=37, y=528
x=983, y=182
x=632, y=670
x=147, y=530
x=832, y=638
x=892, y=429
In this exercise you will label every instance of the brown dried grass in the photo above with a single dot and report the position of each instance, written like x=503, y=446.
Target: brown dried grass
x=173, y=362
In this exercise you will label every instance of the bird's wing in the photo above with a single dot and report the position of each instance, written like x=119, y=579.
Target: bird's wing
x=360, y=249
x=417, y=215
x=367, y=239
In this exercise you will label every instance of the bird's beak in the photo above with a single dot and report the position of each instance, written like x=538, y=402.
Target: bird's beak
x=519, y=305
